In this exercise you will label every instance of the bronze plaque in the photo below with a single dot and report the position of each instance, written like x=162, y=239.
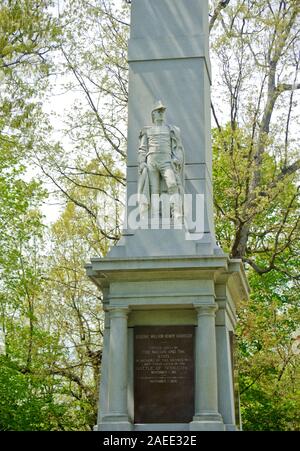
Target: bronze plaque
x=164, y=374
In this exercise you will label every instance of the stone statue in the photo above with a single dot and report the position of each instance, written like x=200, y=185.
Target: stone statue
x=161, y=165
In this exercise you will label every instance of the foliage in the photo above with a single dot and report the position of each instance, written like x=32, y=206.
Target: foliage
x=269, y=362
x=26, y=397
x=256, y=163
x=91, y=156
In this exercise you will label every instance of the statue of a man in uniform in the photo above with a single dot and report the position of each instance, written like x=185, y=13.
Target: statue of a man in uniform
x=161, y=164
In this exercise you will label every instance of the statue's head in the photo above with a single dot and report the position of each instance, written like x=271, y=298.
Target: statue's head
x=158, y=112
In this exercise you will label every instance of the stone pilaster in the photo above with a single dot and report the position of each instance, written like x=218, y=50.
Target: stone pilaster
x=225, y=322
x=206, y=416
x=116, y=417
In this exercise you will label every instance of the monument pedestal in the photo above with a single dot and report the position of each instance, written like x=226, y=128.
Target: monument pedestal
x=166, y=355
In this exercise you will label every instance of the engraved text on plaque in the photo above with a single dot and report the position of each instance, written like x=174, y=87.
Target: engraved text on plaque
x=163, y=374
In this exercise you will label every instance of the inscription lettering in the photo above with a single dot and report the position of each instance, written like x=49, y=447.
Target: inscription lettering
x=164, y=373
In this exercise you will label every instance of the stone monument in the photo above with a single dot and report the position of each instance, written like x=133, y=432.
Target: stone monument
x=169, y=291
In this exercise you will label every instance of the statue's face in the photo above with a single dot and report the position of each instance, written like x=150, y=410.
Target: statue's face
x=158, y=116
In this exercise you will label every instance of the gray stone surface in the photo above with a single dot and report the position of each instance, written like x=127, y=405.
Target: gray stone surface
x=153, y=243
x=162, y=427
x=193, y=171
x=159, y=18
x=169, y=60
x=206, y=426
x=185, y=87
x=225, y=386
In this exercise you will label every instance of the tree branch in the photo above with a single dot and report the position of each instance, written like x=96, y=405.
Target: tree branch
x=221, y=5
x=287, y=87
x=288, y=170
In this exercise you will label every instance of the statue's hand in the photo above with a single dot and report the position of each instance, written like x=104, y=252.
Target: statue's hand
x=177, y=164
x=142, y=167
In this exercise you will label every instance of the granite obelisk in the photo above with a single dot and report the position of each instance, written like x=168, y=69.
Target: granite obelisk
x=169, y=60
x=169, y=293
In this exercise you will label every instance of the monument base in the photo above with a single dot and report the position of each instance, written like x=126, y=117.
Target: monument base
x=156, y=309
x=115, y=426
x=231, y=428
x=207, y=426
x=210, y=421
x=171, y=427
x=114, y=422
x=207, y=422
x=169, y=243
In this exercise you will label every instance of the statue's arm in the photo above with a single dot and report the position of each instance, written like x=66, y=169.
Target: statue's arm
x=143, y=147
x=177, y=147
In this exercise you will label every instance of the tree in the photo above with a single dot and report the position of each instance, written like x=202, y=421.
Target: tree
x=256, y=163
x=76, y=311
x=264, y=36
x=91, y=155
x=27, y=402
x=28, y=34
x=269, y=359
